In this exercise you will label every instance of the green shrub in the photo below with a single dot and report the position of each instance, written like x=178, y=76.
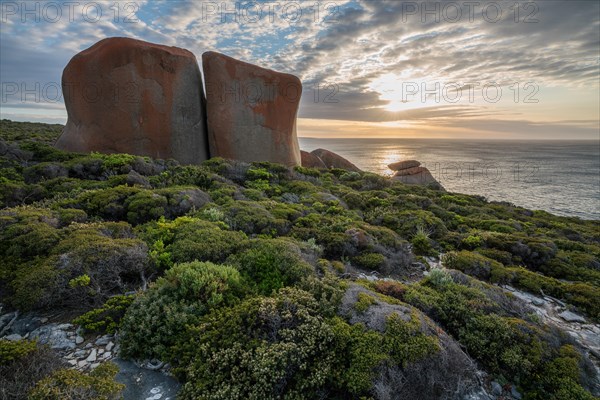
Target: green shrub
x=264, y=348
x=15, y=350
x=22, y=364
x=68, y=215
x=472, y=242
x=253, y=218
x=473, y=264
x=422, y=244
x=156, y=319
x=560, y=378
x=105, y=319
x=270, y=264
x=439, y=278
x=364, y=302
x=370, y=261
x=145, y=206
x=69, y=384
x=255, y=174
x=204, y=242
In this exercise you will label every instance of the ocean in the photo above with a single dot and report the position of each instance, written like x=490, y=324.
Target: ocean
x=560, y=177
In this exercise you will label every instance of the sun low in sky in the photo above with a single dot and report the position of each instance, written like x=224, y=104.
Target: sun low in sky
x=372, y=68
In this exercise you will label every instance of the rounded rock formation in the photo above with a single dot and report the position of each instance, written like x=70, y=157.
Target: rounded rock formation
x=311, y=161
x=251, y=111
x=411, y=173
x=333, y=160
x=129, y=96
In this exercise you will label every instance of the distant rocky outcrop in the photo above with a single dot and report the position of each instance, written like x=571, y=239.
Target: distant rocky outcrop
x=333, y=160
x=251, y=111
x=309, y=160
x=410, y=172
x=128, y=96
x=400, y=165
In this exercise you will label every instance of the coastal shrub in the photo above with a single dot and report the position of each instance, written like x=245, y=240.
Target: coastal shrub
x=280, y=347
x=107, y=318
x=15, y=350
x=314, y=172
x=361, y=352
x=473, y=264
x=145, y=206
x=62, y=255
x=156, y=319
x=106, y=203
x=22, y=364
x=68, y=215
x=364, y=302
x=328, y=231
x=187, y=175
x=88, y=264
x=439, y=278
x=270, y=264
x=472, y=242
x=408, y=223
x=69, y=384
x=370, y=261
x=506, y=346
x=27, y=233
x=390, y=288
x=252, y=218
x=560, y=378
x=113, y=264
x=204, y=241
x=580, y=294
x=422, y=244
x=186, y=239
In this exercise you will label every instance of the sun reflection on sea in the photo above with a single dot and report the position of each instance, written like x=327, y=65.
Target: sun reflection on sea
x=386, y=157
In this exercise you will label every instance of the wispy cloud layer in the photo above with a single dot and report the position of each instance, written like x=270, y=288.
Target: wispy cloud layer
x=488, y=66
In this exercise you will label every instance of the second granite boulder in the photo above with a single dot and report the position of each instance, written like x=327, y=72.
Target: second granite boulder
x=251, y=111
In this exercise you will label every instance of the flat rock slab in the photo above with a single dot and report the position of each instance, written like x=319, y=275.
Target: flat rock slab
x=144, y=384
x=128, y=96
x=571, y=317
x=251, y=111
x=53, y=335
x=400, y=165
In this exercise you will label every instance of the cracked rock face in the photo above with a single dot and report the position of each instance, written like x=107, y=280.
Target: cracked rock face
x=128, y=96
x=251, y=111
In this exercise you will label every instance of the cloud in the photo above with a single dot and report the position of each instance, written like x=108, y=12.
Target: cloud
x=346, y=48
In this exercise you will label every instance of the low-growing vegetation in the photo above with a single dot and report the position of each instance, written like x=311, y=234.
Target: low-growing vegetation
x=241, y=276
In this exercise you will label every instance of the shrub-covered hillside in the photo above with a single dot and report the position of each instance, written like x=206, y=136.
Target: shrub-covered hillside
x=255, y=281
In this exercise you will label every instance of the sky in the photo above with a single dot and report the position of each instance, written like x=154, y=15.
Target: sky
x=370, y=68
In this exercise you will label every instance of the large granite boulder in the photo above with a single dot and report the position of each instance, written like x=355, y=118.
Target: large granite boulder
x=333, y=160
x=311, y=161
x=128, y=96
x=251, y=111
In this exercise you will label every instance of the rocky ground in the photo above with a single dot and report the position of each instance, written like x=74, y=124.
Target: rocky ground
x=143, y=381
x=150, y=381
x=555, y=313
